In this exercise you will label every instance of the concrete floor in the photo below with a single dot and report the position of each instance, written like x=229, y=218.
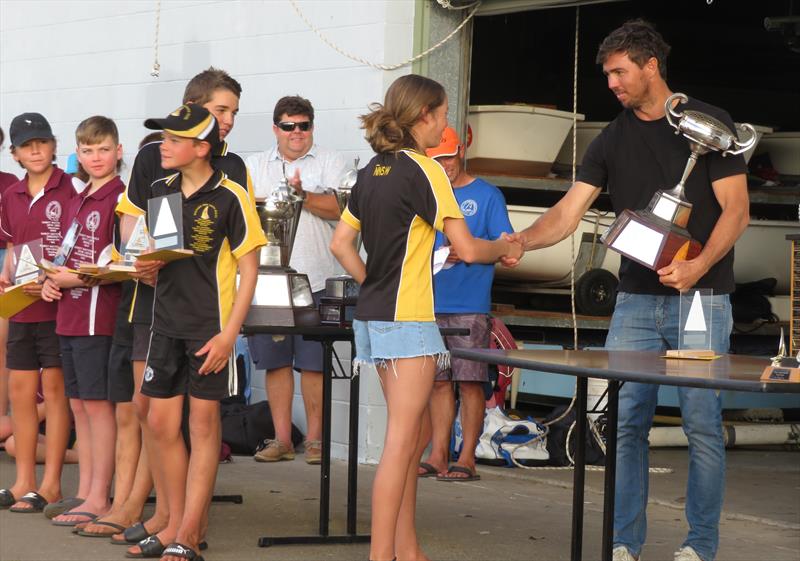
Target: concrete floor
x=508, y=515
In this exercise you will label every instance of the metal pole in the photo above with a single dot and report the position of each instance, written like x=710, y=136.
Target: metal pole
x=611, y=469
x=325, y=479
x=580, y=469
x=352, y=452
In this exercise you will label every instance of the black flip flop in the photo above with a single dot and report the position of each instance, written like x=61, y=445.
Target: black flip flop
x=182, y=552
x=70, y=523
x=430, y=471
x=133, y=535
x=118, y=527
x=471, y=475
x=7, y=499
x=34, y=499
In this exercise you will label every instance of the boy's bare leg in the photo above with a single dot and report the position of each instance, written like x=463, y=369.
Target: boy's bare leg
x=407, y=393
x=311, y=386
x=83, y=433
x=169, y=459
x=443, y=403
x=206, y=436
x=473, y=410
x=129, y=439
x=70, y=457
x=57, y=430
x=280, y=393
x=25, y=422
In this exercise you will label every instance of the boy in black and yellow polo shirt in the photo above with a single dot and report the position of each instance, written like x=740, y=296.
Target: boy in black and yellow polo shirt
x=196, y=316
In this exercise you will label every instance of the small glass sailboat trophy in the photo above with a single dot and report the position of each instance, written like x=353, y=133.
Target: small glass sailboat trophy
x=696, y=313
x=783, y=368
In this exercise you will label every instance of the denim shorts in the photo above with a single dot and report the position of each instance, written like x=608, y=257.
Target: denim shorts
x=379, y=341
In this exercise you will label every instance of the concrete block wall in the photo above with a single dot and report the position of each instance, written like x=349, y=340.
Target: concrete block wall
x=72, y=59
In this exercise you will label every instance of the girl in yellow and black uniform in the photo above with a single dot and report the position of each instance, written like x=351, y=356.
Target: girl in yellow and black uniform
x=400, y=199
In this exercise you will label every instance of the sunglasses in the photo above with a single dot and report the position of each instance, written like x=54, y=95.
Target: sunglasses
x=289, y=126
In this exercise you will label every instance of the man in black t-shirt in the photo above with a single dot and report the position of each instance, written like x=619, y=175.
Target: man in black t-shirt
x=634, y=156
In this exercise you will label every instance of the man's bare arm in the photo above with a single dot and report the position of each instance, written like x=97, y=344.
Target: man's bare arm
x=731, y=193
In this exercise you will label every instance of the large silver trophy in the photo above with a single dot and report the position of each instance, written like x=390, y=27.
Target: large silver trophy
x=282, y=296
x=657, y=235
x=341, y=292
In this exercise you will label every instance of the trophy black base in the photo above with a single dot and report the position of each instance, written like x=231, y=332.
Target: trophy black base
x=336, y=311
x=281, y=317
x=650, y=240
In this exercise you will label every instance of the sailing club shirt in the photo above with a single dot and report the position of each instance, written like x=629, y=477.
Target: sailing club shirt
x=398, y=203
x=194, y=296
x=632, y=159
x=146, y=170
x=466, y=288
x=85, y=311
x=25, y=218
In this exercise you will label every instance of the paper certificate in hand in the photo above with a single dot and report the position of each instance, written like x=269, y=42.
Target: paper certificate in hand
x=24, y=272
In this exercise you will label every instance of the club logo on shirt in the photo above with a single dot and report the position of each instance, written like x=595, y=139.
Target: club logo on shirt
x=93, y=221
x=53, y=211
x=148, y=374
x=205, y=216
x=381, y=171
x=469, y=207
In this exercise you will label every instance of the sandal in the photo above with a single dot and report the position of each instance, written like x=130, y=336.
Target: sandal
x=470, y=475
x=133, y=535
x=91, y=517
x=182, y=552
x=116, y=527
x=34, y=499
x=60, y=507
x=149, y=548
x=6, y=498
x=430, y=471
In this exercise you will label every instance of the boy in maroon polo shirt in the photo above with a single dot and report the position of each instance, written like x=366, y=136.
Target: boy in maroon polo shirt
x=6, y=181
x=32, y=210
x=87, y=316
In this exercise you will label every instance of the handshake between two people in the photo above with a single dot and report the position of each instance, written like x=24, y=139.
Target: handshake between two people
x=510, y=251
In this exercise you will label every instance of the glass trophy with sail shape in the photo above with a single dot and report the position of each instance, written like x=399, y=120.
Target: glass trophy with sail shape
x=165, y=224
x=657, y=235
x=782, y=368
x=25, y=270
x=696, y=324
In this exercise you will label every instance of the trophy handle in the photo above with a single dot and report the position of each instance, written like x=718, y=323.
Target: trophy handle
x=743, y=146
x=671, y=112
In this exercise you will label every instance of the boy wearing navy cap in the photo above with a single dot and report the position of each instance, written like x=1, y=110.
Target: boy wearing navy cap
x=196, y=317
x=32, y=209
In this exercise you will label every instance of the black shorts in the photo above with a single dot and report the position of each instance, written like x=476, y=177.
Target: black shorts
x=120, y=373
x=141, y=341
x=172, y=369
x=32, y=346
x=85, y=361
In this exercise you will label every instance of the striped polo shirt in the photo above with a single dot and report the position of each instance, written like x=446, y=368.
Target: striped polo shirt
x=398, y=203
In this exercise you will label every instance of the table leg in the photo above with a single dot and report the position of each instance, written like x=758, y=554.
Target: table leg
x=352, y=452
x=580, y=469
x=325, y=476
x=611, y=469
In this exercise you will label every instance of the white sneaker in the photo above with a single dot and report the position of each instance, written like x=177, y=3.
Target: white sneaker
x=687, y=553
x=621, y=553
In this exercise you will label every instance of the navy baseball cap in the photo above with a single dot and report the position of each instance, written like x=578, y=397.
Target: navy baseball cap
x=29, y=126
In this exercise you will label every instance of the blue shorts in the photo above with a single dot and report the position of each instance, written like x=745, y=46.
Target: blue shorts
x=270, y=352
x=379, y=341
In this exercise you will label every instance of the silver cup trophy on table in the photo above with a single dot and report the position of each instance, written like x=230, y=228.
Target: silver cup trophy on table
x=341, y=292
x=282, y=296
x=657, y=235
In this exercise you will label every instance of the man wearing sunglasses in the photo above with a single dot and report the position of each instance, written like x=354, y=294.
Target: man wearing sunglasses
x=310, y=170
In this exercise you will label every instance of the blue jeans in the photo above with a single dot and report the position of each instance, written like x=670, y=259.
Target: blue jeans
x=649, y=322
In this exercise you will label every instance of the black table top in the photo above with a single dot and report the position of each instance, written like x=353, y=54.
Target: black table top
x=729, y=372
x=332, y=332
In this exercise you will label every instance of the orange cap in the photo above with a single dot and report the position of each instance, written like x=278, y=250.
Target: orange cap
x=448, y=146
